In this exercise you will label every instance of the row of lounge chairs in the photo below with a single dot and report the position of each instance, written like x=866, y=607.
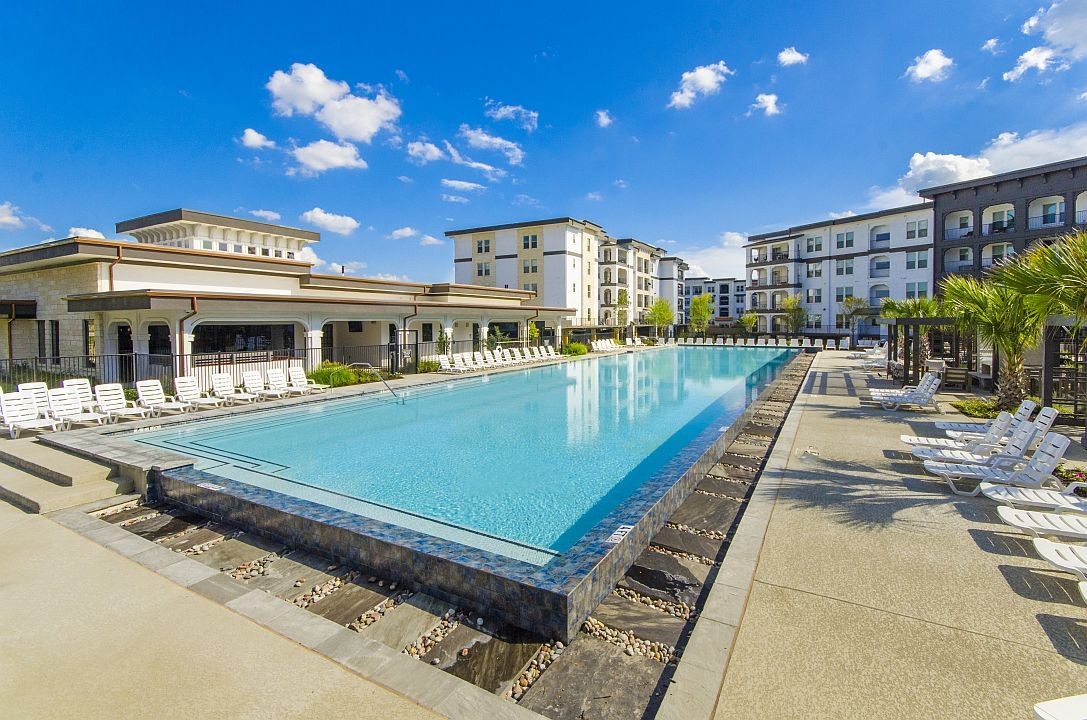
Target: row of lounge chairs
x=36, y=406
x=921, y=395
x=807, y=342
x=459, y=363
x=994, y=457
x=603, y=346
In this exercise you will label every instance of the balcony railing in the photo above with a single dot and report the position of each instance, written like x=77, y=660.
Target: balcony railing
x=779, y=256
x=990, y=261
x=1047, y=220
x=958, y=266
x=996, y=228
x=880, y=272
x=880, y=244
x=956, y=233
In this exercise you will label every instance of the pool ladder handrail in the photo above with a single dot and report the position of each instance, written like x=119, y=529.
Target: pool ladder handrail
x=368, y=366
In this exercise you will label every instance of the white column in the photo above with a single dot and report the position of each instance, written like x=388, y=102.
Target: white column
x=313, y=348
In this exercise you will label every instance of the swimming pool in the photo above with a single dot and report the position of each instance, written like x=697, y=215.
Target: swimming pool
x=521, y=464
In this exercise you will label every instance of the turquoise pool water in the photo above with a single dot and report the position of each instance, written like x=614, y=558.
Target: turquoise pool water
x=520, y=463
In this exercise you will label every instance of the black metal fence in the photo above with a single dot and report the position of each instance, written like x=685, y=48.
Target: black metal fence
x=99, y=369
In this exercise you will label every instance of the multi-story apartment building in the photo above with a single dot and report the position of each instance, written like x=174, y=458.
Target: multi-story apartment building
x=671, y=283
x=739, y=297
x=631, y=265
x=980, y=222
x=885, y=254
x=727, y=293
x=554, y=258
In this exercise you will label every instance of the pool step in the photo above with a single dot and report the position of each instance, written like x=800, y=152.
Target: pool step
x=51, y=464
x=38, y=495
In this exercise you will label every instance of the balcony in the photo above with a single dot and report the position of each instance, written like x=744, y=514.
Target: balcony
x=1081, y=217
x=1048, y=220
x=958, y=233
x=880, y=271
x=779, y=256
x=878, y=244
x=959, y=266
x=997, y=228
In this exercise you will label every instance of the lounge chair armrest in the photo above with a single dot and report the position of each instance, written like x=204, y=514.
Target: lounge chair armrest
x=1072, y=487
x=1008, y=463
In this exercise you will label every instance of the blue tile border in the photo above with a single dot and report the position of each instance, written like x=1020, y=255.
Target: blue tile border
x=553, y=599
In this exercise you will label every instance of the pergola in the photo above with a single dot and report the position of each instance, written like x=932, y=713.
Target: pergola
x=909, y=331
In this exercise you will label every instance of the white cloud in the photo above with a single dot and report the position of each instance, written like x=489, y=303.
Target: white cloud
x=320, y=265
x=429, y=240
x=992, y=45
x=11, y=218
x=792, y=56
x=604, y=118
x=839, y=215
x=404, y=179
x=454, y=198
x=323, y=155
x=389, y=276
x=481, y=139
x=462, y=185
x=522, y=199
x=360, y=118
x=621, y=184
x=933, y=66
x=983, y=84
x=527, y=119
x=725, y=258
x=253, y=139
x=421, y=152
x=85, y=232
x=402, y=75
x=1007, y=151
x=767, y=102
x=303, y=89
x=493, y=174
x=593, y=196
x=702, y=81
x=339, y=224
x=405, y=232
x=1083, y=97
x=268, y=215
x=1038, y=58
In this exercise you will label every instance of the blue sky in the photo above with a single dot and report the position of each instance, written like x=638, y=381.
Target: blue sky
x=385, y=125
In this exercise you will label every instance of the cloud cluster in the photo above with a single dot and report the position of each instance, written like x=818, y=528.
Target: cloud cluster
x=603, y=118
x=1063, y=27
x=339, y=224
x=933, y=66
x=767, y=103
x=255, y=140
x=482, y=140
x=422, y=152
x=430, y=240
x=724, y=258
x=322, y=155
x=792, y=56
x=702, y=81
x=266, y=215
x=85, y=232
x=527, y=119
x=405, y=232
x=462, y=185
x=12, y=218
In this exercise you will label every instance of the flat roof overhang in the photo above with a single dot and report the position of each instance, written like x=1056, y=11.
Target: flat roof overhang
x=18, y=309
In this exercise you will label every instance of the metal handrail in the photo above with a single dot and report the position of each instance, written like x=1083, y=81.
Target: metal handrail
x=368, y=366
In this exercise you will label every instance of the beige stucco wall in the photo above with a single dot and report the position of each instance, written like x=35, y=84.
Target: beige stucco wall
x=49, y=287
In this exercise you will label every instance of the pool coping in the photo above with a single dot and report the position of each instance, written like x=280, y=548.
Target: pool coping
x=554, y=599
x=695, y=687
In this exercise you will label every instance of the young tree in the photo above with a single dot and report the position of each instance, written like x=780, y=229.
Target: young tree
x=750, y=321
x=622, y=302
x=795, y=314
x=701, y=313
x=854, y=308
x=660, y=315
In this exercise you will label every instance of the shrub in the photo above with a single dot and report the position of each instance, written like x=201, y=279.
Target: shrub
x=426, y=366
x=649, y=341
x=334, y=374
x=574, y=348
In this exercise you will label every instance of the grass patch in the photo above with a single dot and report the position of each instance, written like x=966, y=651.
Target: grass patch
x=977, y=407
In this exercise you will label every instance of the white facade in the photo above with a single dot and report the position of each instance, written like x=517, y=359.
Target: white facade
x=635, y=267
x=727, y=293
x=671, y=283
x=873, y=256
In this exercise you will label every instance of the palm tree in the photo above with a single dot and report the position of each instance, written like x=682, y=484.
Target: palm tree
x=1003, y=318
x=1052, y=277
x=921, y=307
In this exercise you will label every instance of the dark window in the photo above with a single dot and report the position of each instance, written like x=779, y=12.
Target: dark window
x=41, y=340
x=242, y=338
x=354, y=326
x=88, y=337
x=428, y=332
x=158, y=340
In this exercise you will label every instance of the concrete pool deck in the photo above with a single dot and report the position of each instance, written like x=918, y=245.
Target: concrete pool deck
x=878, y=593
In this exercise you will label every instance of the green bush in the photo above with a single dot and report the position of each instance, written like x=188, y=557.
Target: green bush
x=426, y=366
x=334, y=374
x=574, y=348
x=649, y=341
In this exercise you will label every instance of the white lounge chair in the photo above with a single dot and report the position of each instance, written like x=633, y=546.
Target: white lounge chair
x=1044, y=421
x=154, y=399
x=993, y=435
x=1072, y=558
x=20, y=412
x=112, y=402
x=64, y=406
x=1064, y=500
x=1023, y=412
x=39, y=391
x=1073, y=707
x=187, y=389
x=297, y=378
x=445, y=365
x=82, y=388
x=255, y=386
x=222, y=386
x=922, y=397
x=551, y=352
x=993, y=454
x=1037, y=473
x=844, y=343
x=1044, y=524
x=278, y=381
x=480, y=361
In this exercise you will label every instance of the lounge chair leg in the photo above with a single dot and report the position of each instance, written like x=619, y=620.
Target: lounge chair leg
x=964, y=493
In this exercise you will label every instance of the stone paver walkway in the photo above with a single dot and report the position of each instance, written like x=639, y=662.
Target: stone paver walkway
x=880, y=594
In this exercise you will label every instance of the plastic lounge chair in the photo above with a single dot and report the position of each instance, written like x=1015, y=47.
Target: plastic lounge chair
x=844, y=343
x=187, y=389
x=551, y=351
x=1037, y=473
x=222, y=386
x=1043, y=524
x=65, y=407
x=445, y=365
x=297, y=378
x=1072, y=558
x=1047, y=415
x=254, y=385
x=278, y=381
x=1064, y=500
x=905, y=389
x=1023, y=412
x=921, y=397
x=82, y=388
x=154, y=399
x=112, y=402
x=992, y=436
x=993, y=454
x=20, y=412
x=1073, y=707
x=39, y=391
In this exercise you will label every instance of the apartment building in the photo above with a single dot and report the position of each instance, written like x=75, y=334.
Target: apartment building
x=554, y=258
x=885, y=254
x=978, y=223
x=672, y=283
x=727, y=293
x=631, y=265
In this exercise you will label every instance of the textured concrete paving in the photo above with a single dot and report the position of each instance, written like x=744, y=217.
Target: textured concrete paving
x=87, y=633
x=880, y=594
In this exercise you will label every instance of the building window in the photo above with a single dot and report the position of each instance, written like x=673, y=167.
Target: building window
x=483, y=269
x=206, y=244
x=88, y=337
x=528, y=266
x=588, y=290
x=1050, y=212
x=49, y=340
x=815, y=244
x=279, y=253
x=840, y=294
x=843, y=240
x=528, y=241
x=428, y=332
x=964, y=222
x=917, y=260
x=251, y=250
x=264, y=252
x=1000, y=252
x=815, y=295
x=530, y=286
x=916, y=229
x=964, y=255
x=813, y=322
x=483, y=246
x=843, y=267
x=916, y=290
x=815, y=270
